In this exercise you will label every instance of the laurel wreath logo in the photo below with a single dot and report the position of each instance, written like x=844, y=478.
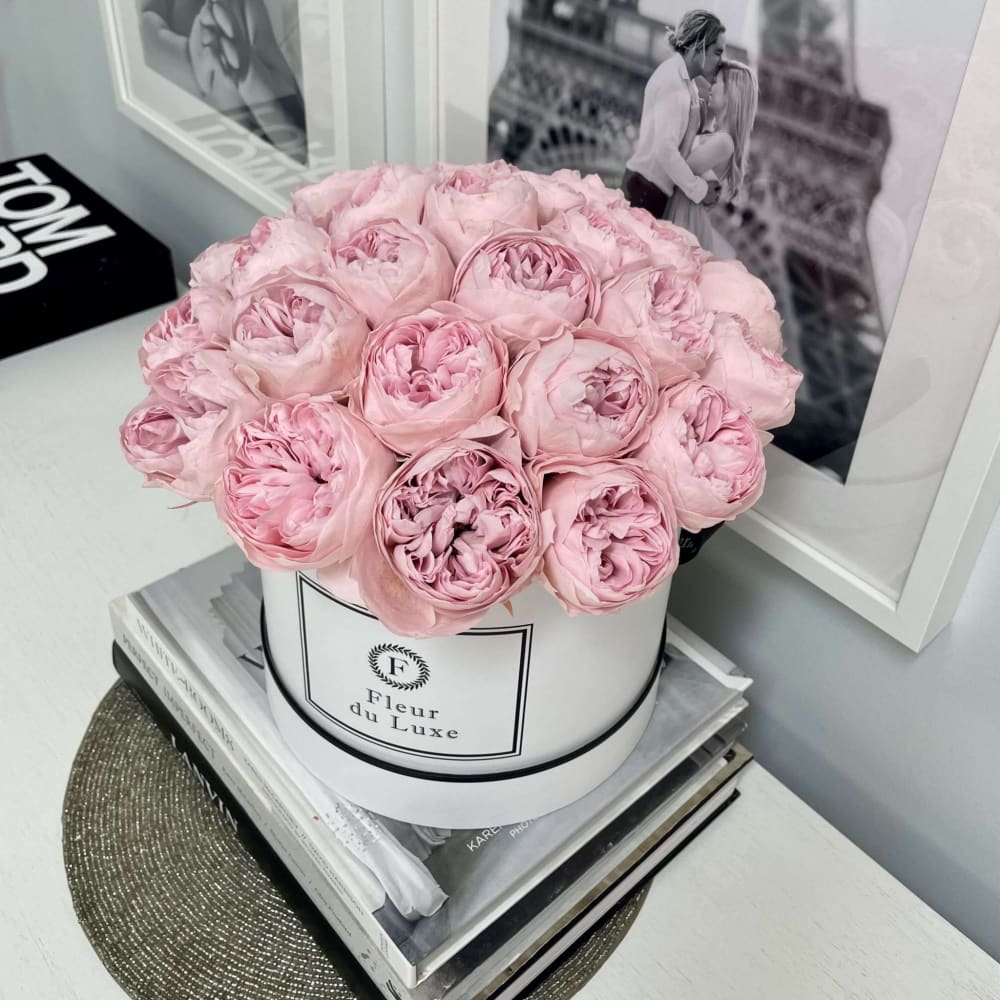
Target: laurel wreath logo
x=423, y=671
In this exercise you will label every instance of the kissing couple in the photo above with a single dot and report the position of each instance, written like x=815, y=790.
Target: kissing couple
x=698, y=111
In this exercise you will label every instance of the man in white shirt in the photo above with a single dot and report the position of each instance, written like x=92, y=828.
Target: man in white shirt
x=671, y=117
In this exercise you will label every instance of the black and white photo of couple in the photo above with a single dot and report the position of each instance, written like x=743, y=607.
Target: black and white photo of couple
x=698, y=113
x=800, y=137
x=242, y=58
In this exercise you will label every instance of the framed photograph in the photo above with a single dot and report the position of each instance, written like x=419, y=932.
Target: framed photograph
x=263, y=95
x=867, y=197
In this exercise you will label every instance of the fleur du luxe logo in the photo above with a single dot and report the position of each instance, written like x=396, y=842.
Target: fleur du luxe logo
x=398, y=666
x=402, y=669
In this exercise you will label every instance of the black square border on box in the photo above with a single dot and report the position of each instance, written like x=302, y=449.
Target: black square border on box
x=517, y=741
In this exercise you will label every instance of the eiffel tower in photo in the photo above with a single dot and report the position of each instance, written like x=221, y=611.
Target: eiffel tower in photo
x=570, y=95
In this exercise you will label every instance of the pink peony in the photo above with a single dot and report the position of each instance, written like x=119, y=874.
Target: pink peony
x=457, y=530
x=555, y=196
x=300, y=482
x=707, y=452
x=175, y=332
x=342, y=203
x=531, y=284
x=430, y=376
x=390, y=268
x=727, y=286
x=604, y=236
x=210, y=294
x=433, y=385
x=208, y=396
x=661, y=310
x=467, y=203
x=668, y=245
x=213, y=264
x=580, y=394
x=276, y=246
x=152, y=439
x=755, y=379
x=594, y=189
x=653, y=227
x=565, y=189
x=614, y=533
x=210, y=309
x=299, y=336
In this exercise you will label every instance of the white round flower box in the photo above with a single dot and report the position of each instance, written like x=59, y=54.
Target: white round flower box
x=504, y=722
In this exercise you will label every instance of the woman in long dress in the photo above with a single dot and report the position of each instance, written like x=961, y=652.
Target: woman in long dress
x=719, y=153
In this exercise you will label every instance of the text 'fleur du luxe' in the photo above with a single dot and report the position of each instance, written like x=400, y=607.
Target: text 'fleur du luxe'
x=400, y=717
x=40, y=210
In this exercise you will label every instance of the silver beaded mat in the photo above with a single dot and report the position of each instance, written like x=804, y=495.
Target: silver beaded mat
x=177, y=908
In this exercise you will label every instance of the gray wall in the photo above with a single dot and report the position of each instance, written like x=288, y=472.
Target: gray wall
x=896, y=750
x=56, y=97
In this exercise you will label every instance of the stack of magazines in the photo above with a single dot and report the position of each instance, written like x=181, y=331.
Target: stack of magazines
x=426, y=913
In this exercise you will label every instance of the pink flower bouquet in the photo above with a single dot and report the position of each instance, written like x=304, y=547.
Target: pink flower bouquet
x=435, y=387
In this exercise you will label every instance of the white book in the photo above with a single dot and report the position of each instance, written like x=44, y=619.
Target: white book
x=414, y=893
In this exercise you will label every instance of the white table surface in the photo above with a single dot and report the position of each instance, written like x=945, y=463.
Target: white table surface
x=770, y=902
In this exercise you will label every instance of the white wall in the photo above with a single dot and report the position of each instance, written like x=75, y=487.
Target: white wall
x=56, y=98
x=897, y=750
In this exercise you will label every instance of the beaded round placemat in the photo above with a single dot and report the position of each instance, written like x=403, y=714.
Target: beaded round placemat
x=176, y=907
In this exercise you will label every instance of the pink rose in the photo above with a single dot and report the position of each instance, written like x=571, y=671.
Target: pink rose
x=208, y=396
x=152, y=439
x=465, y=205
x=531, y=284
x=661, y=310
x=580, y=394
x=604, y=236
x=300, y=337
x=391, y=268
x=343, y=202
x=430, y=376
x=175, y=332
x=707, y=452
x=727, y=286
x=758, y=381
x=457, y=530
x=300, y=482
x=275, y=246
x=614, y=533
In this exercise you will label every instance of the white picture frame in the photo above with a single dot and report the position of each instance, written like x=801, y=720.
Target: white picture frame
x=898, y=541
x=340, y=76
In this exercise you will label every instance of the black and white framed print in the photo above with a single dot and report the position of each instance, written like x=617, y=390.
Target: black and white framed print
x=263, y=95
x=856, y=137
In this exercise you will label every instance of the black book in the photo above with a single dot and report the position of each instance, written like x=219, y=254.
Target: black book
x=237, y=820
x=69, y=260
